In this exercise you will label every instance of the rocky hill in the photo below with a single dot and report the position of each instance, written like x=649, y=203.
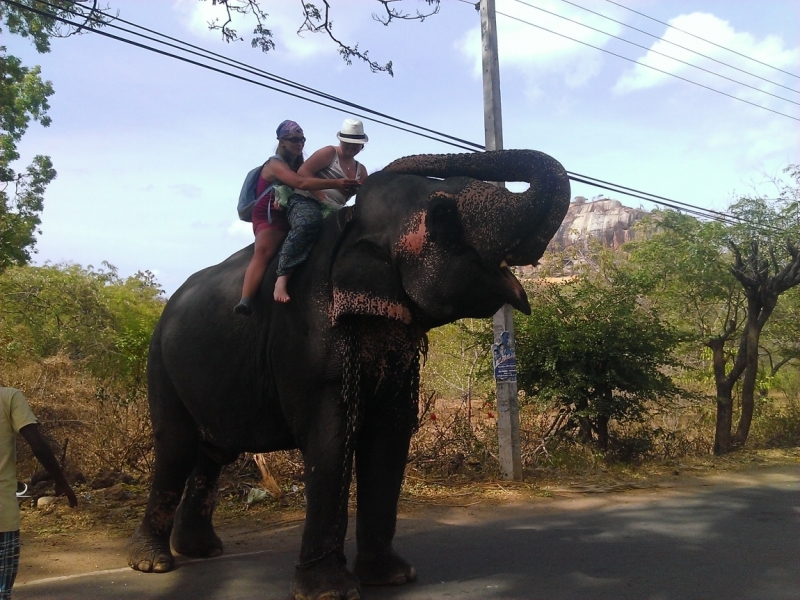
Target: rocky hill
x=605, y=219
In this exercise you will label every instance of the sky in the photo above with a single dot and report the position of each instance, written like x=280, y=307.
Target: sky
x=151, y=152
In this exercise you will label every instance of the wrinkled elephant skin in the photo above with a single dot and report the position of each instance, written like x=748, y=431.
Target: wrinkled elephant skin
x=335, y=372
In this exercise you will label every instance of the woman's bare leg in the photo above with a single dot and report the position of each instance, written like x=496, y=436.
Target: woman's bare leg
x=267, y=243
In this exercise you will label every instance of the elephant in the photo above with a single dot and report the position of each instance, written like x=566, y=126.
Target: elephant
x=335, y=372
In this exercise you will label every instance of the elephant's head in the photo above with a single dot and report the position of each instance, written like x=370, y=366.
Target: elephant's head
x=435, y=250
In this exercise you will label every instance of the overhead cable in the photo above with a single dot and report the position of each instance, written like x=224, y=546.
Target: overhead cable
x=698, y=211
x=643, y=64
x=677, y=205
x=266, y=74
x=661, y=39
x=217, y=70
x=703, y=39
x=683, y=62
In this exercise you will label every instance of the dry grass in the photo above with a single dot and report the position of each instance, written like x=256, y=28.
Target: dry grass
x=453, y=457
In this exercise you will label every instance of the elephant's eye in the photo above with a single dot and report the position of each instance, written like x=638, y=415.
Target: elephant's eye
x=444, y=222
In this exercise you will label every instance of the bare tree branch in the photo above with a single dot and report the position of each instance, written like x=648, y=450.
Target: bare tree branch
x=315, y=23
x=315, y=20
x=392, y=13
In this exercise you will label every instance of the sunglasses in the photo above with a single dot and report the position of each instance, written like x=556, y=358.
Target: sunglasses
x=296, y=140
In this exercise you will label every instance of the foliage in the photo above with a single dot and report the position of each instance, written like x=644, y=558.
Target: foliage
x=24, y=98
x=88, y=315
x=593, y=347
x=315, y=19
x=724, y=281
x=776, y=423
x=458, y=361
x=76, y=340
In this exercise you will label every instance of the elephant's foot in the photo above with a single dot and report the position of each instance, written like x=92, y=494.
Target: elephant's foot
x=383, y=569
x=149, y=554
x=328, y=579
x=196, y=541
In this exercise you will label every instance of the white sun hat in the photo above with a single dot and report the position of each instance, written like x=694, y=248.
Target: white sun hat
x=352, y=132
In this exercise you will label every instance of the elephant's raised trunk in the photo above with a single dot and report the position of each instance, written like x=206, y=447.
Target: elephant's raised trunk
x=502, y=225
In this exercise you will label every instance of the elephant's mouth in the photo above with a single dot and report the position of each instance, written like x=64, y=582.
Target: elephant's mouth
x=513, y=292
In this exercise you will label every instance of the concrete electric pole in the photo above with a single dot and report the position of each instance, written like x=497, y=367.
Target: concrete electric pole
x=503, y=351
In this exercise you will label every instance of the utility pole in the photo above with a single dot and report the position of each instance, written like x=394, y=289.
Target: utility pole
x=503, y=351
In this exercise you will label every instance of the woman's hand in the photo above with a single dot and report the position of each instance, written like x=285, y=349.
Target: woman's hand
x=349, y=186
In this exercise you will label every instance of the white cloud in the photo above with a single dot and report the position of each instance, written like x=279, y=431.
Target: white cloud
x=771, y=50
x=534, y=51
x=241, y=230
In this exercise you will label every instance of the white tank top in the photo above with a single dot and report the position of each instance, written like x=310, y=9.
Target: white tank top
x=334, y=199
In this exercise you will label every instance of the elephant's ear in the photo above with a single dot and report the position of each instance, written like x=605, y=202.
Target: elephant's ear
x=365, y=282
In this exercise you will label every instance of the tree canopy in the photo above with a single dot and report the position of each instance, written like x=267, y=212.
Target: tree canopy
x=24, y=98
x=725, y=280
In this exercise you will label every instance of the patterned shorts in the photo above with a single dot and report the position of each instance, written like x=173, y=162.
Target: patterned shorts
x=9, y=562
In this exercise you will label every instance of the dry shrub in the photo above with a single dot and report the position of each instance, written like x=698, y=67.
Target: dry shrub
x=455, y=436
x=776, y=423
x=104, y=428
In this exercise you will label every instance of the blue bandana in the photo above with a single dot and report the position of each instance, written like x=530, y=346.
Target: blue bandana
x=288, y=129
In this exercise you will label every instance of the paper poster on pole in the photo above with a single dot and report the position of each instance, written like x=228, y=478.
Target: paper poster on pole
x=504, y=360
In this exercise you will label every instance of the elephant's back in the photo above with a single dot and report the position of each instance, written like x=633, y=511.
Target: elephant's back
x=214, y=282
x=214, y=358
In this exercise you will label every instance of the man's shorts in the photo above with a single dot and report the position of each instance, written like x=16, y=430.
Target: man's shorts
x=9, y=562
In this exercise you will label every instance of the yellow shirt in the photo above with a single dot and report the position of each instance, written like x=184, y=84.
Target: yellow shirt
x=14, y=415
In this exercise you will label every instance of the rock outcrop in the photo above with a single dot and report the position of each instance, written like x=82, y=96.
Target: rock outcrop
x=605, y=219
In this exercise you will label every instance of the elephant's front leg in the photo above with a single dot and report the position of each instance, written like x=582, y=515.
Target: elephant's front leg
x=321, y=572
x=380, y=462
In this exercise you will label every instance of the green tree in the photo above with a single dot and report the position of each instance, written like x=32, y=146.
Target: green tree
x=592, y=346
x=24, y=98
x=725, y=280
x=92, y=316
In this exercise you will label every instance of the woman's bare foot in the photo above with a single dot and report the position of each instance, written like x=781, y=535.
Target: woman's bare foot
x=281, y=294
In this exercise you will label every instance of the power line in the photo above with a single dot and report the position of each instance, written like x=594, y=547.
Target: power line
x=705, y=213
x=271, y=76
x=211, y=68
x=642, y=64
x=616, y=37
x=703, y=39
x=661, y=39
x=677, y=205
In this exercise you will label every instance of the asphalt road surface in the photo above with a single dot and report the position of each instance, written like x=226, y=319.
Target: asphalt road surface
x=735, y=537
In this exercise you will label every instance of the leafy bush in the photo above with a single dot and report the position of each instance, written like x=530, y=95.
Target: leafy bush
x=594, y=348
x=75, y=340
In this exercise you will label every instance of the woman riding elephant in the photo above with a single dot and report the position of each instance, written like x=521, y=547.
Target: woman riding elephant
x=270, y=224
x=329, y=162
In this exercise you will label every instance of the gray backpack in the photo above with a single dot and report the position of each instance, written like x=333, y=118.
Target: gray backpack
x=247, y=197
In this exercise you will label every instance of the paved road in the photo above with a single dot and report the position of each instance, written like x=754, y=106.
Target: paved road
x=732, y=539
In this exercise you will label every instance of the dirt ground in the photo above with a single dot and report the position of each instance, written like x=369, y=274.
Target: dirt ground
x=59, y=541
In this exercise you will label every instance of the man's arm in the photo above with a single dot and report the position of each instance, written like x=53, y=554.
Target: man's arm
x=44, y=454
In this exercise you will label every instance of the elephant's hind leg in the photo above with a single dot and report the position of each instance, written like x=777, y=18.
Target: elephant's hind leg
x=176, y=449
x=193, y=534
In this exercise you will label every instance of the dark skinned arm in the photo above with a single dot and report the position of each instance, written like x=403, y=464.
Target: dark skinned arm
x=43, y=453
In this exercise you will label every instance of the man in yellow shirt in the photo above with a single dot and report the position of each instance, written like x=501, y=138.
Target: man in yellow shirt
x=16, y=417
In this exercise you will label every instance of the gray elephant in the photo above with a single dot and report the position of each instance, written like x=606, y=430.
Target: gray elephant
x=335, y=372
